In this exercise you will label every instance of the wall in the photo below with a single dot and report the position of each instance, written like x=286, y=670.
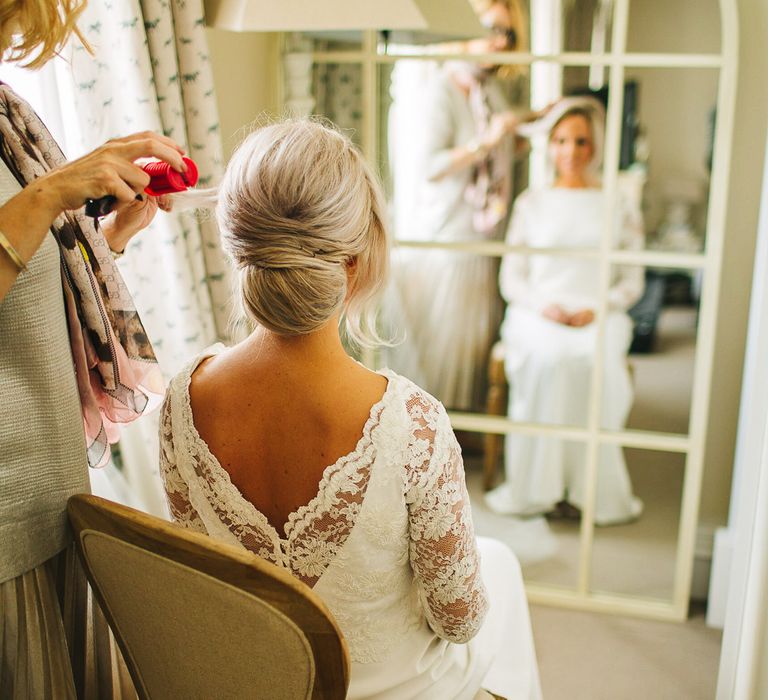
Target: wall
x=675, y=104
x=677, y=146
x=741, y=230
x=245, y=77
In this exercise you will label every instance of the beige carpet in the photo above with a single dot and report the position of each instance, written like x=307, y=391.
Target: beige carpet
x=589, y=656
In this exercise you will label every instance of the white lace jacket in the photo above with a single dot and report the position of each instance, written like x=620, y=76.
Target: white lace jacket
x=388, y=540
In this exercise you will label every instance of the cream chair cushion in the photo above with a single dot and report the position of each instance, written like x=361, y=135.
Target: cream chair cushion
x=235, y=646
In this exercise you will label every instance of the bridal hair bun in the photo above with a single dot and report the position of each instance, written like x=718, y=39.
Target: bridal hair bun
x=301, y=217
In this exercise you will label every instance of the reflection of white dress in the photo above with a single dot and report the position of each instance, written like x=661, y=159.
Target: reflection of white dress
x=388, y=545
x=446, y=303
x=549, y=365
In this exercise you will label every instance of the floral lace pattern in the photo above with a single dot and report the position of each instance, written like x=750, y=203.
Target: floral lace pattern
x=388, y=539
x=443, y=549
x=314, y=533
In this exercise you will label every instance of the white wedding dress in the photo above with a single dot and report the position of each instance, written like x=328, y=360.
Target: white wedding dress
x=549, y=365
x=387, y=543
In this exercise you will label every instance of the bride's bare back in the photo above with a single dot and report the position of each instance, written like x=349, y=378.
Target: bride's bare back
x=275, y=412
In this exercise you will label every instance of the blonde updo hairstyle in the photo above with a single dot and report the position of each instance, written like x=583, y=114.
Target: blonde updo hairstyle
x=302, y=219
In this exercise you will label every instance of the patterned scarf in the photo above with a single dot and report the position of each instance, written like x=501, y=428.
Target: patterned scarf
x=117, y=374
x=490, y=185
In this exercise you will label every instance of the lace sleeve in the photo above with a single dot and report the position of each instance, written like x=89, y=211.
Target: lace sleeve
x=176, y=489
x=629, y=282
x=513, y=275
x=443, y=549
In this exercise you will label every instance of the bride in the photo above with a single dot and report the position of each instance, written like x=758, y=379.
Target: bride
x=350, y=479
x=550, y=332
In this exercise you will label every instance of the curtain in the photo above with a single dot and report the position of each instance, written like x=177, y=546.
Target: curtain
x=151, y=70
x=338, y=92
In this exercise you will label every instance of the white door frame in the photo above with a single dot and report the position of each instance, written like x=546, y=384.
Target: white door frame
x=745, y=639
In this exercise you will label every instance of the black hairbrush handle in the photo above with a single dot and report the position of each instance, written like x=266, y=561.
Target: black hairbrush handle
x=99, y=207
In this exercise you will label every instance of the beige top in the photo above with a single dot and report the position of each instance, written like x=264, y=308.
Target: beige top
x=42, y=442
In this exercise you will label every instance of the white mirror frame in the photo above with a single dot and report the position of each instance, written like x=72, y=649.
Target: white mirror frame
x=616, y=60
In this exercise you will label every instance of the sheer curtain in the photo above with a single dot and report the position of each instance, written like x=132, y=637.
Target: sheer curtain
x=151, y=71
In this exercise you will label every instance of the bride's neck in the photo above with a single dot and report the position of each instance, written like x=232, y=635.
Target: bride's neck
x=320, y=347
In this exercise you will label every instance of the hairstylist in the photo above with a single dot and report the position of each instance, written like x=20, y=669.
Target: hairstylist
x=74, y=361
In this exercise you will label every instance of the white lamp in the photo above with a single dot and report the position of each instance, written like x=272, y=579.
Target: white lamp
x=452, y=17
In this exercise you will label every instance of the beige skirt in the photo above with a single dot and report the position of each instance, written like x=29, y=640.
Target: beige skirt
x=54, y=640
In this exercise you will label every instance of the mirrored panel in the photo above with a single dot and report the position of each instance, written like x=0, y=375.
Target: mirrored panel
x=444, y=307
x=531, y=508
x=680, y=26
x=674, y=118
x=500, y=26
x=325, y=41
x=448, y=148
x=337, y=92
x=650, y=348
x=637, y=524
x=385, y=132
x=586, y=26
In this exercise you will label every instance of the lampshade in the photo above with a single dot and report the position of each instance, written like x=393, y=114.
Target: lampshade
x=454, y=17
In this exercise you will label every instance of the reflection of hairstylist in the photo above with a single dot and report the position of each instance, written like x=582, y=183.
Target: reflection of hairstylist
x=549, y=333
x=450, y=310
x=74, y=361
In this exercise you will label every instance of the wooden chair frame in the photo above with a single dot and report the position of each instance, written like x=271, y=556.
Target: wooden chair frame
x=228, y=564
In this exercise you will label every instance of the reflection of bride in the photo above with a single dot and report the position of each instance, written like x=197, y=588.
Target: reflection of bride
x=549, y=331
x=451, y=154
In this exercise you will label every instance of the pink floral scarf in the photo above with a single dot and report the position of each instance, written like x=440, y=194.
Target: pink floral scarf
x=117, y=374
x=490, y=186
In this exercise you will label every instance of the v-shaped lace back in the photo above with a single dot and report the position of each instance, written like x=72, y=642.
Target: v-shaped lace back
x=317, y=532
x=314, y=533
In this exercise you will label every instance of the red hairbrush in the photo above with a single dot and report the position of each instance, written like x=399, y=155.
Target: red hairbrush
x=163, y=180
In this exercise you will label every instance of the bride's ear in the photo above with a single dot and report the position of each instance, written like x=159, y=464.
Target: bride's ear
x=351, y=269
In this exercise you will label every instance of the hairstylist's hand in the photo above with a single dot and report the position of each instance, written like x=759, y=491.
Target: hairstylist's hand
x=501, y=125
x=127, y=219
x=556, y=313
x=109, y=170
x=582, y=317
x=535, y=114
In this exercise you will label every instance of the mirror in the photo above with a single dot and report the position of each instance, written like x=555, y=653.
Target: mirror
x=461, y=183
x=629, y=557
x=675, y=113
x=673, y=27
x=547, y=546
x=337, y=93
x=662, y=351
x=638, y=558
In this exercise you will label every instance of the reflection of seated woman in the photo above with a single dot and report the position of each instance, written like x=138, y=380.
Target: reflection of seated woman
x=386, y=539
x=549, y=331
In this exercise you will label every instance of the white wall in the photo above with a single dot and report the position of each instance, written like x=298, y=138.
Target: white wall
x=750, y=131
x=245, y=77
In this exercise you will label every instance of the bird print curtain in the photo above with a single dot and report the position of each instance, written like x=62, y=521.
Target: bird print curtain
x=151, y=70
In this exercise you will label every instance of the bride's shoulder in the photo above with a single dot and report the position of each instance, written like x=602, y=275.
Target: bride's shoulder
x=406, y=394
x=180, y=381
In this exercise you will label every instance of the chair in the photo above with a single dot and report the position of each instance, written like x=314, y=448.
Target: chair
x=197, y=618
x=495, y=405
